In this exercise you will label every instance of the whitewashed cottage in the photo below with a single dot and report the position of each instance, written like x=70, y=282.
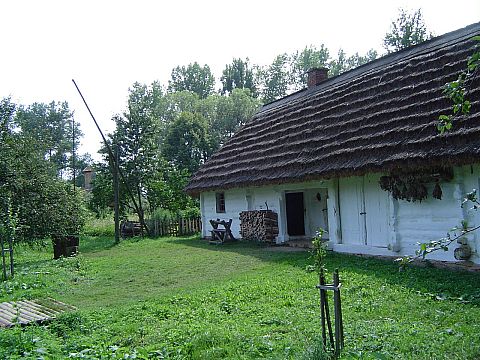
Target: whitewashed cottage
x=358, y=154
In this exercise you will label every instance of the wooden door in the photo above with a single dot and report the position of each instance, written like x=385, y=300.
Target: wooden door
x=352, y=211
x=377, y=209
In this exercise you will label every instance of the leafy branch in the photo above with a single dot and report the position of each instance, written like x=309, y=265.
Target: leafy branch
x=319, y=253
x=456, y=90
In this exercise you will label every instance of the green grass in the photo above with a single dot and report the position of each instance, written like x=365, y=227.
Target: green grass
x=185, y=299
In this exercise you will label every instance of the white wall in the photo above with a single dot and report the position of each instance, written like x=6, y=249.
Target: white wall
x=429, y=220
x=392, y=227
x=261, y=198
x=235, y=202
x=395, y=227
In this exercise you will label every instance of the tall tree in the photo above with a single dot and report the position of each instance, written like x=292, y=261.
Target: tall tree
x=51, y=125
x=276, y=79
x=136, y=137
x=238, y=75
x=407, y=30
x=231, y=113
x=302, y=61
x=188, y=144
x=194, y=78
x=42, y=204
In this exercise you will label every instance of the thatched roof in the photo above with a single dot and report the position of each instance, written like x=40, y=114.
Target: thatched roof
x=377, y=117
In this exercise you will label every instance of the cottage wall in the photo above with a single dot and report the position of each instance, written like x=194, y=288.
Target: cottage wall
x=235, y=202
x=430, y=219
x=360, y=216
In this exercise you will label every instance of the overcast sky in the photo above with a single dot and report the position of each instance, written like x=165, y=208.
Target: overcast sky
x=108, y=45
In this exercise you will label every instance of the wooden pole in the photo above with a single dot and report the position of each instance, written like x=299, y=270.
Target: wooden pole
x=338, y=314
x=322, y=311
x=110, y=153
x=116, y=195
x=327, y=311
x=73, y=155
x=10, y=249
x=4, y=265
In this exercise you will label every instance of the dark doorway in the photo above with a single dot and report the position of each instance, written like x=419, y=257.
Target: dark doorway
x=295, y=216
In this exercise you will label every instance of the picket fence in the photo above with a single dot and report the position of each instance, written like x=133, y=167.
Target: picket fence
x=175, y=227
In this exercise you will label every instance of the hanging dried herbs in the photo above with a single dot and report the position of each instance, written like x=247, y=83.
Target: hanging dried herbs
x=410, y=185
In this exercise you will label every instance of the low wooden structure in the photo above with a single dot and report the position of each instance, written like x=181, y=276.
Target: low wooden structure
x=130, y=228
x=175, y=227
x=27, y=311
x=336, y=343
x=219, y=235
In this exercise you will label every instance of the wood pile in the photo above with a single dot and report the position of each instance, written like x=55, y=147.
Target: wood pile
x=259, y=225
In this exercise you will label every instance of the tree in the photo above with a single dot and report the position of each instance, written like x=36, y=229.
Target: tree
x=187, y=144
x=343, y=63
x=276, y=79
x=42, y=204
x=51, y=126
x=194, y=78
x=136, y=138
x=302, y=61
x=231, y=113
x=238, y=75
x=407, y=30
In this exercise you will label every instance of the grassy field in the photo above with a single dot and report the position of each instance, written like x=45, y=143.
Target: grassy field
x=184, y=299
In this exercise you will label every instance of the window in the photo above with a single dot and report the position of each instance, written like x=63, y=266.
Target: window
x=220, y=197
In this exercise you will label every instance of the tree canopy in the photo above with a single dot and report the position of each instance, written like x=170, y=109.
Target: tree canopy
x=407, y=30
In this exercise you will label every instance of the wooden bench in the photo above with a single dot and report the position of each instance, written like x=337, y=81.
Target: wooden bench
x=219, y=235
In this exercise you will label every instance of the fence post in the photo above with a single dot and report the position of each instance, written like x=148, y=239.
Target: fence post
x=338, y=313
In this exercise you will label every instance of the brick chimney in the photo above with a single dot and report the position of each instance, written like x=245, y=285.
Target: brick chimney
x=316, y=76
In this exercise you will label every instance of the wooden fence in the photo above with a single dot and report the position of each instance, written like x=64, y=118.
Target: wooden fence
x=175, y=227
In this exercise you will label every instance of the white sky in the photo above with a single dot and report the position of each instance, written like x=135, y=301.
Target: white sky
x=108, y=45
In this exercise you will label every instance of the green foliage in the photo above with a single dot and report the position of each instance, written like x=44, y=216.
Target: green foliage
x=275, y=79
x=168, y=298
x=343, y=63
x=166, y=190
x=188, y=143
x=456, y=91
x=407, y=30
x=194, y=78
x=42, y=204
x=232, y=112
x=51, y=128
x=238, y=75
x=319, y=252
x=100, y=226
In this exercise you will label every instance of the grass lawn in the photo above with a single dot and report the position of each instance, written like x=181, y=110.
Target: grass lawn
x=184, y=299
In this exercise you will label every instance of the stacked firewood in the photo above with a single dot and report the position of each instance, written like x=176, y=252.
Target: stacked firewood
x=259, y=225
